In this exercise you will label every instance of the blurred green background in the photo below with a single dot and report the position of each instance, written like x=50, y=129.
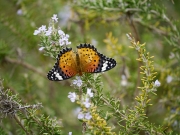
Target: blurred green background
x=23, y=67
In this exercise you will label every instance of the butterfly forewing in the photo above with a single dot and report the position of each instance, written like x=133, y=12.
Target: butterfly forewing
x=92, y=61
x=65, y=67
x=89, y=58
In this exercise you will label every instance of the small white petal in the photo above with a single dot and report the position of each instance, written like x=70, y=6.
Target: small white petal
x=77, y=81
x=72, y=96
x=41, y=48
x=60, y=32
x=169, y=79
x=49, y=31
x=124, y=80
x=68, y=43
x=61, y=42
x=36, y=32
x=19, y=12
x=70, y=133
x=157, y=83
x=86, y=103
x=80, y=115
x=67, y=36
x=42, y=28
x=74, y=82
x=88, y=116
x=54, y=18
x=89, y=92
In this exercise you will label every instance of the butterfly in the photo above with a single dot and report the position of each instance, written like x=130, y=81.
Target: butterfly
x=87, y=59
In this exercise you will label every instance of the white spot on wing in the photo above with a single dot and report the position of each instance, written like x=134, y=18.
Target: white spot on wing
x=58, y=76
x=104, y=66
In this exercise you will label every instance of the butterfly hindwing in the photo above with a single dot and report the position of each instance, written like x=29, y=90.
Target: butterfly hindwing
x=92, y=61
x=65, y=67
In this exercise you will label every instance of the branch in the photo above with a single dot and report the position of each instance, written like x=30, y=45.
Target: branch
x=24, y=64
x=110, y=81
x=20, y=124
x=160, y=32
x=137, y=38
x=30, y=67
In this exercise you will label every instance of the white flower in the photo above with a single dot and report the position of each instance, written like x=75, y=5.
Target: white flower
x=54, y=18
x=19, y=12
x=169, y=79
x=86, y=103
x=41, y=48
x=61, y=42
x=49, y=31
x=80, y=115
x=68, y=43
x=157, y=83
x=36, y=32
x=63, y=38
x=124, y=80
x=60, y=32
x=70, y=133
x=66, y=37
x=89, y=92
x=88, y=116
x=72, y=96
x=42, y=28
x=77, y=81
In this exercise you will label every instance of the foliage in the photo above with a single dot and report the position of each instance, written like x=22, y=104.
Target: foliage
x=11, y=106
x=139, y=96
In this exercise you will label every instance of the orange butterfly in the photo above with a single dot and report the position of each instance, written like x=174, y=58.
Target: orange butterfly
x=86, y=59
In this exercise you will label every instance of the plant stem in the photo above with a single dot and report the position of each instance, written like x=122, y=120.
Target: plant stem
x=137, y=38
x=20, y=124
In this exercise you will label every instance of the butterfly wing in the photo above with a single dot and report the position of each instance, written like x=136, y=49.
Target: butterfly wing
x=92, y=61
x=65, y=67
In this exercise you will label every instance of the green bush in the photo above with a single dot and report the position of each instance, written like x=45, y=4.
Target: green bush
x=139, y=96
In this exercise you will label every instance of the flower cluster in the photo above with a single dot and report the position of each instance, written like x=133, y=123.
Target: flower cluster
x=98, y=124
x=63, y=40
x=52, y=38
x=84, y=100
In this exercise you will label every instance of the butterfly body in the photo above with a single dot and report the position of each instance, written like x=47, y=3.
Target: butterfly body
x=86, y=59
x=79, y=68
